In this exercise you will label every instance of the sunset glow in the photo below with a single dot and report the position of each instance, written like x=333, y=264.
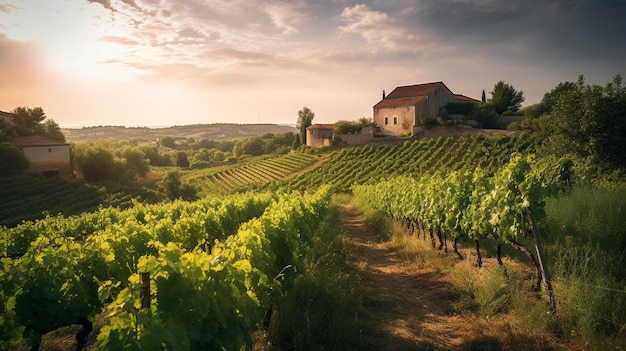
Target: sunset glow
x=166, y=62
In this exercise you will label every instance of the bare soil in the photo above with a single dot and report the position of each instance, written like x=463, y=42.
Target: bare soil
x=412, y=306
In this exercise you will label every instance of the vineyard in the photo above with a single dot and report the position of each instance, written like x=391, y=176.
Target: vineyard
x=370, y=164
x=222, y=180
x=216, y=266
x=473, y=205
x=26, y=198
x=204, y=275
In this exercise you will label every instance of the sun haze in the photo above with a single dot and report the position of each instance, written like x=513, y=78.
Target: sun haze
x=151, y=62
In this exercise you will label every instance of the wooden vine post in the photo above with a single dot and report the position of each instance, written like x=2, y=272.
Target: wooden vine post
x=542, y=259
x=145, y=289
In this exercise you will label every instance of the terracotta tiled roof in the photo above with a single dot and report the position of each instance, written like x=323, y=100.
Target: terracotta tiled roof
x=408, y=95
x=321, y=126
x=387, y=102
x=36, y=140
x=463, y=98
x=413, y=90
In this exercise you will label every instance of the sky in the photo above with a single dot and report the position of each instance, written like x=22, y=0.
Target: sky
x=179, y=62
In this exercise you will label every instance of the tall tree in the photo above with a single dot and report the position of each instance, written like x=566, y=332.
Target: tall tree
x=589, y=120
x=32, y=121
x=51, y=129
x=29, y=120
x=505, y=98
x=483, y=98
x=305, y=119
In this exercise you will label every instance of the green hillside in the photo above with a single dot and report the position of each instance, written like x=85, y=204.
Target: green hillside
x=370, y=164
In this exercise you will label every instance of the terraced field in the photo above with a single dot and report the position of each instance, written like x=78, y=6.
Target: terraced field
x=225, y=179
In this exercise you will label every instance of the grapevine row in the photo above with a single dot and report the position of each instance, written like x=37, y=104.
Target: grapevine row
x=472, y=204
x=228, y=178
x=206, y=294
x=369, y=164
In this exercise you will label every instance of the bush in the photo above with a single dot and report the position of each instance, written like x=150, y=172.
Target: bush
x=12, y=160
x=431, y=122
x=347, y=127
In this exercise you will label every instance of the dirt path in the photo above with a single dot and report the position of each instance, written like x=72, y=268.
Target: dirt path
x=411, y=307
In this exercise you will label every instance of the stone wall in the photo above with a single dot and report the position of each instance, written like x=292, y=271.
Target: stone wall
x=404, y=119
x=364, y=137
x=48, y=160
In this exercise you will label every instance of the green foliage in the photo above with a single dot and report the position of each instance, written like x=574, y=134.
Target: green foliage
x=103, y=161
x=29, y=120
x=347, y=127
x=321, y=310
x=32, y=121
x=154, y=158
x=175, y=189
x=168, y=141
x=485, y=114
x=95, y=163
x=12, y=160
x=254, y=146
x=505, y=98
x=431, y=122
x=253, y=173
x=591, y=217
x=590, y=120
x=136, y=161
x=181, y=159
x=305, y=119
x=66, y=268
x=587, y=121
x=473, y=204
x=591, y=299
x=369, y=164
x=51, y=129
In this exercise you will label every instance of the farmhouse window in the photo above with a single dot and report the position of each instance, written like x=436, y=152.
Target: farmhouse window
x=395, y=120
x=49, y=150
x=386, y=120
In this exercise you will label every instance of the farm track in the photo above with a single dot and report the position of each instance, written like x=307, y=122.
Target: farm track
x=409, y=306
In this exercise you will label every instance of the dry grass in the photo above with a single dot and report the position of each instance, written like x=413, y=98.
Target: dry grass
x=421, y=298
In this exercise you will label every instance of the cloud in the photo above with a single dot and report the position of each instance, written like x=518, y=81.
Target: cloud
x=286, y=16
x=119, y=40
x=525, y=29
x=6, y=8
x=381, y=30
x=105, y=3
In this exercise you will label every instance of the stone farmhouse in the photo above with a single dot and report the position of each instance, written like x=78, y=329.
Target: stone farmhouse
x=400, y=112
x=48, y=157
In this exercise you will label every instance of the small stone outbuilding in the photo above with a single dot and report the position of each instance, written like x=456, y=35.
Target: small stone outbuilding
x=320, y=135
x=48, y=157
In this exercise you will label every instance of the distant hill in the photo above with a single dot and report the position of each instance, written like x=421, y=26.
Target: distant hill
x=221, y=131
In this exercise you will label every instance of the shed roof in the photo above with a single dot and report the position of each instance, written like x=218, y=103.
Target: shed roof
x=36, y=140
